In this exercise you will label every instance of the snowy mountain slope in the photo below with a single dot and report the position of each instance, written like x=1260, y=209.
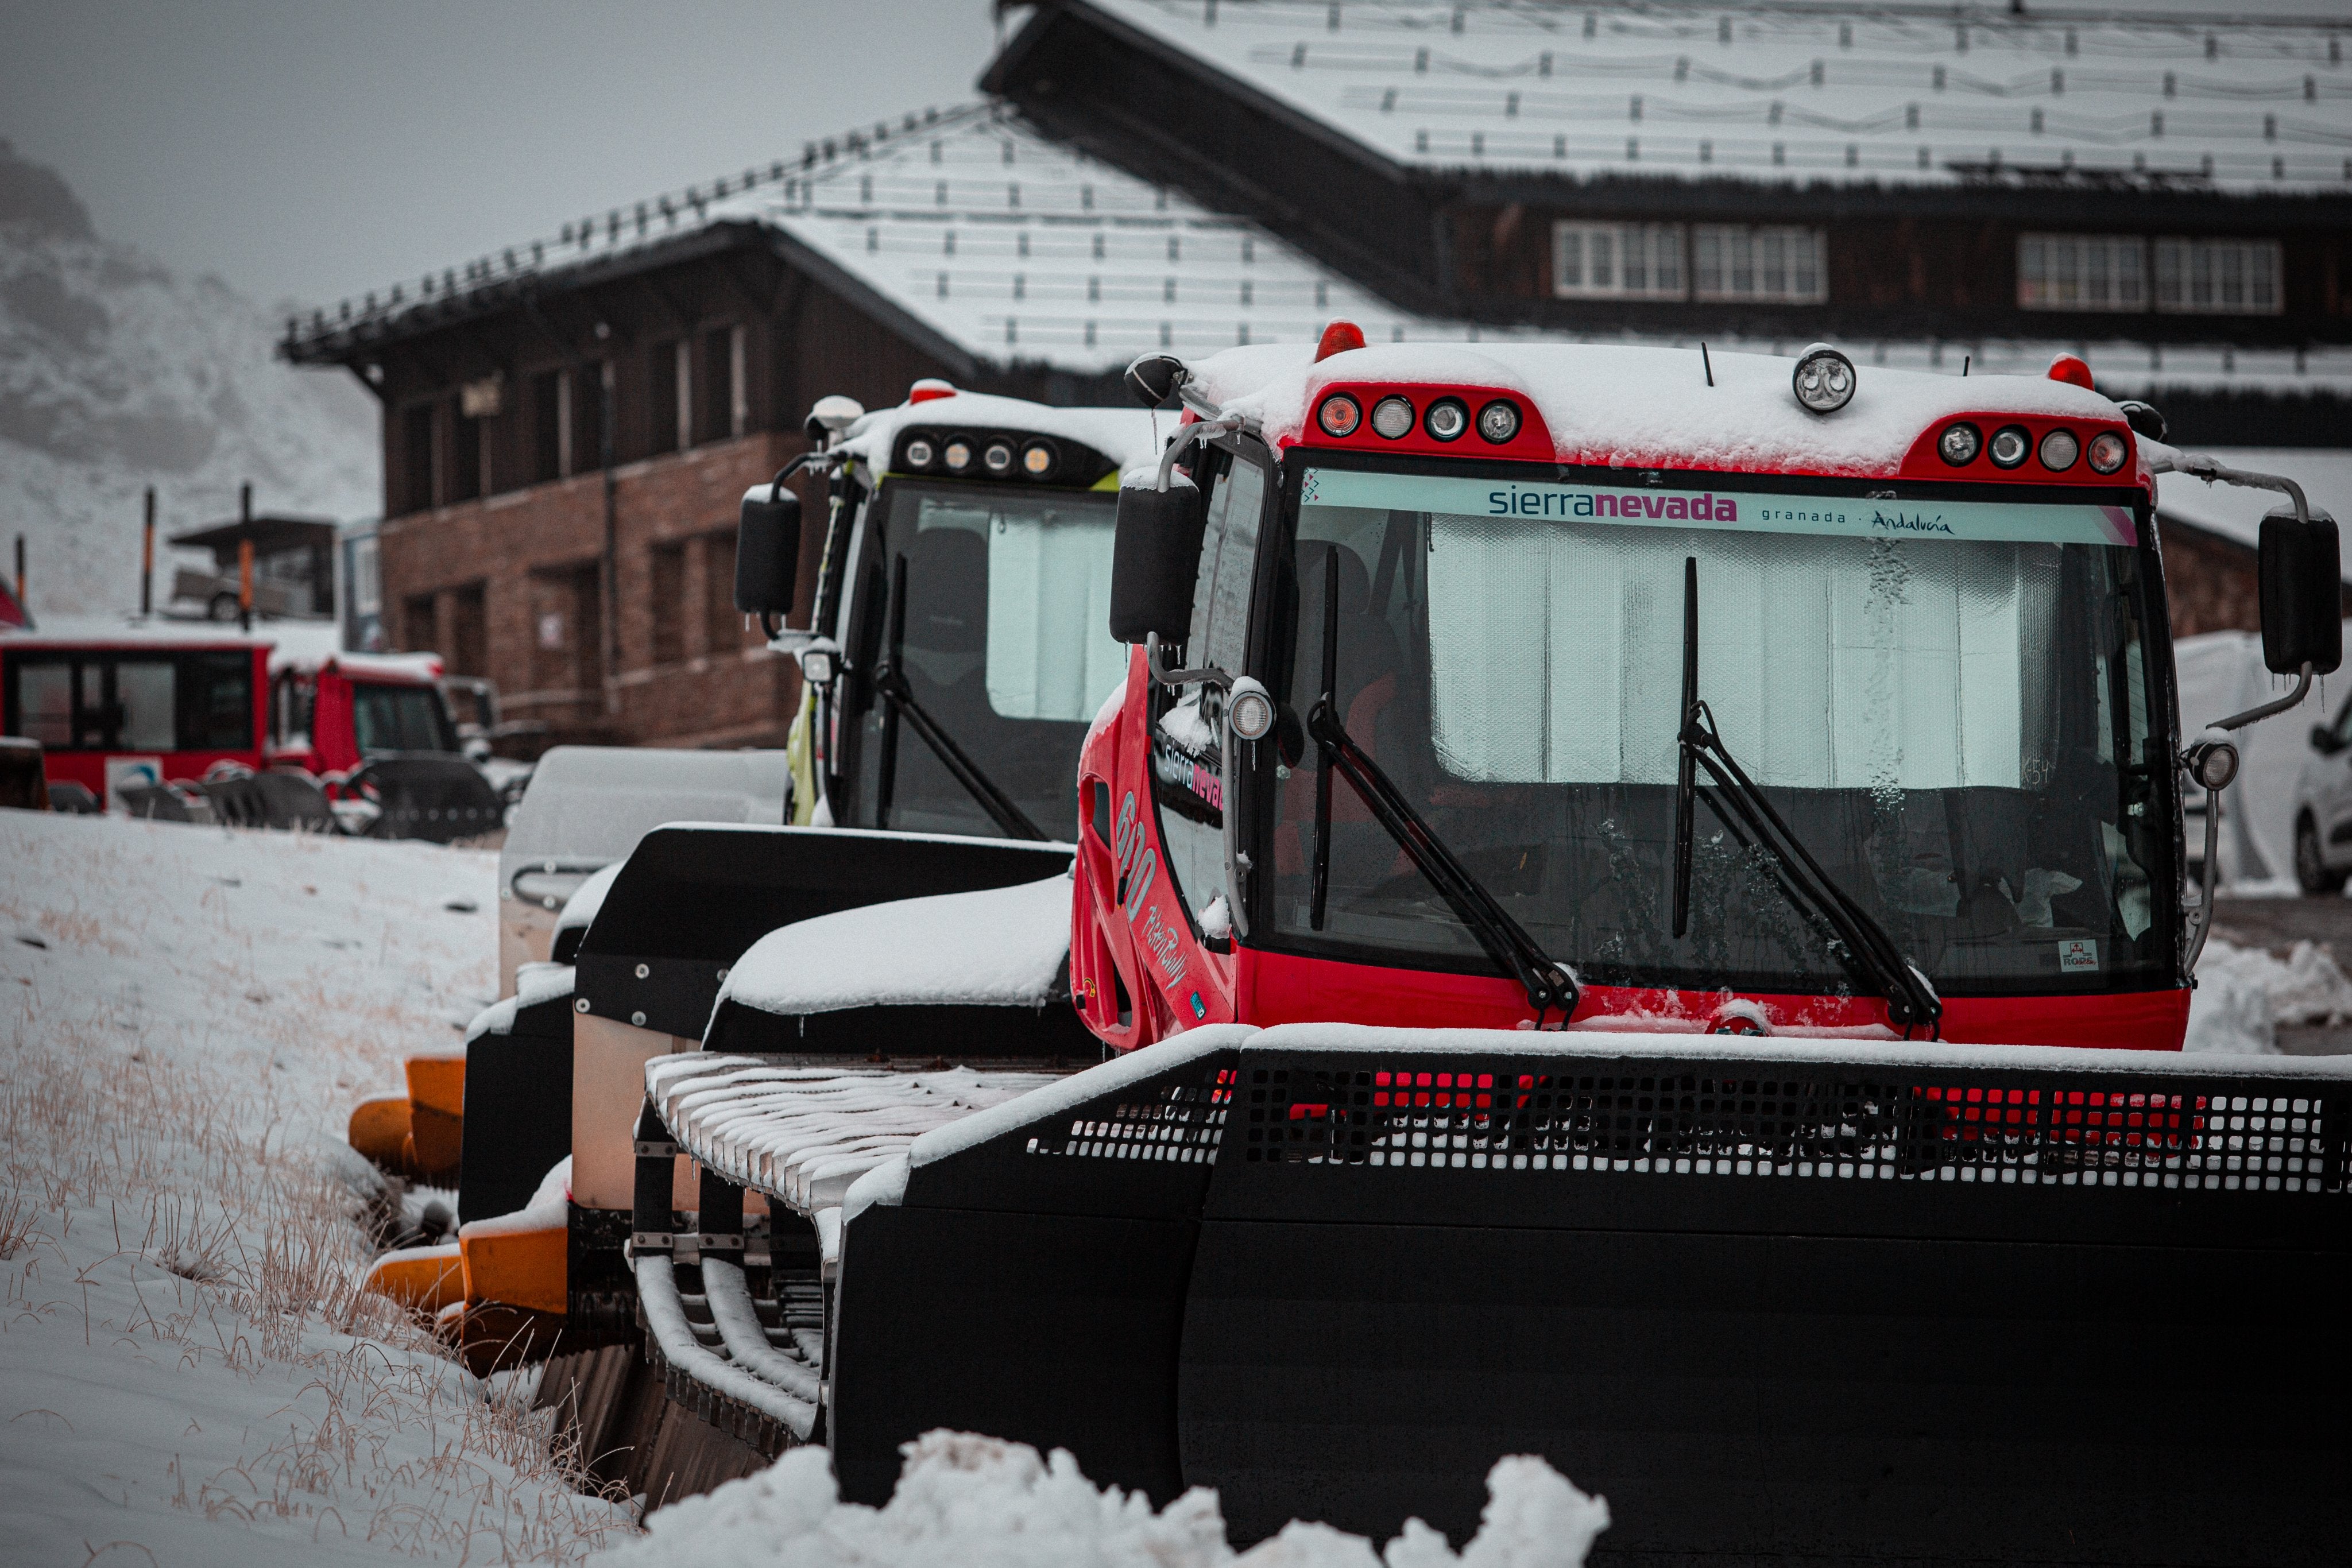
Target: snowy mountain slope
x=116, y=375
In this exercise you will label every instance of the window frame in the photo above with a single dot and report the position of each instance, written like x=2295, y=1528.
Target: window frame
x=1673, y=237
x=1815, y=236
x=2184, y=251
x=2084, y=246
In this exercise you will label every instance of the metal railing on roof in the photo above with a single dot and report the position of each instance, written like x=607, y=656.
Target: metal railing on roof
x=617, y=232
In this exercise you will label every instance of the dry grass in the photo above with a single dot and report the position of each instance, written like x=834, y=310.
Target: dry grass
x=178, y=1208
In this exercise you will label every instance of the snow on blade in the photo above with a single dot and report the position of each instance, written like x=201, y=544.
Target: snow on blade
x=803, y=1135
x=998, y=947
x=982, y=1502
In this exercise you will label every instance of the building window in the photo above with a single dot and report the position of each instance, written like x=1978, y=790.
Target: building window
x=589, y=406
x=1617, y=261
x=1770, y=265
x=665, y=397
x=416, y=457
x=2081, y=272
x=2218, y=277
x=547, y=427
x=466, y=477
x=668, y=603
x=720, y=415
x=722, y=622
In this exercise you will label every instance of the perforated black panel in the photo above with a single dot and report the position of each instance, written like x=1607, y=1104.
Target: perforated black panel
x=1184, y=1122
x=2119, y=1129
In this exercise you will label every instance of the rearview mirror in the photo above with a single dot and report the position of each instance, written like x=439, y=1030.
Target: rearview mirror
x=1155, y=556
x=767, y=551
x=2302, y=594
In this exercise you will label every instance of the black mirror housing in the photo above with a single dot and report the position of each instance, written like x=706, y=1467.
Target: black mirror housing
x=2302, y=594
x=1155, y=557
x=1153, y=379
x=768, y=551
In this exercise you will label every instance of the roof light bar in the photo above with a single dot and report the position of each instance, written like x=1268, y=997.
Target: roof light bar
x=1823, y=380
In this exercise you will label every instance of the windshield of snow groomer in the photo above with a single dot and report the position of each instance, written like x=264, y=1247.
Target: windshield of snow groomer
x=1951, y=702
x=1007, y=645
x=388, y=717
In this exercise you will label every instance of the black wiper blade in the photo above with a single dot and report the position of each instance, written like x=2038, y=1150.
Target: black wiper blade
x=1911, y=999
x=1548, y=984
x=890, y=684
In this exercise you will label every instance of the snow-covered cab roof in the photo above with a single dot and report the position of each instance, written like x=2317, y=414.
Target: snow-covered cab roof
x=940, y=432
x=1621, y=406
x=398, y=669
x=154, y=633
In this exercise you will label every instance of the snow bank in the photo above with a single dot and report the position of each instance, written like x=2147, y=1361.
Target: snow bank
x=1001, y=946
x=186, y=1017
x=2243, y=994
x=981, y=1502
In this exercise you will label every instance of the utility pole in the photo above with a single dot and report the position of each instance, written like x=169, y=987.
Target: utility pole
x=147, y=559
x=245, y=558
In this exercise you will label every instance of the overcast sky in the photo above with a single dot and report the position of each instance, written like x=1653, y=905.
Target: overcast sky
x=306, y=150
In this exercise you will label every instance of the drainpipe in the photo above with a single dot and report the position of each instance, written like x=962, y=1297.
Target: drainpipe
x=610, y=584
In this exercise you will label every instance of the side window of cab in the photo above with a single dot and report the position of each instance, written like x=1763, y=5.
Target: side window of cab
x=1188, y=726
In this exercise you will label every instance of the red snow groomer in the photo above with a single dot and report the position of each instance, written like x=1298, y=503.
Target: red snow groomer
x=1639, y=901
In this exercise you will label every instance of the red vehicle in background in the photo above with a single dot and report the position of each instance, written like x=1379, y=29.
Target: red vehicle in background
x=189, y=724
x=124, y=707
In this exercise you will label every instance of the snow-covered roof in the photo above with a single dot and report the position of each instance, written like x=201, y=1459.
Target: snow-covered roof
x=132, y=630
x=1838, y=93
x=979, y=235
x=303, y=655
x=1646, y=407
x=2236, y=514
x=1001, y=946
x=1125, y=436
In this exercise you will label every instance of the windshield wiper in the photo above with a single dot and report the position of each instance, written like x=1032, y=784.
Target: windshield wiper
x=1740, y=806
x=1548, y=984
x=890, y=684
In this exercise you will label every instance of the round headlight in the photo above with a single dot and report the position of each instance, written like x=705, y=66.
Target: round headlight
x=2059, y=450
x=2009, y=446
x=958, y=456
x=1960, y=445
x=1249, y=710
x=999, y=457
x=1823, y=381
x=1498, y=422
x=1339, y=414
x=1392, y=417
x=920, y=453
x=2213, y=764
x=2108, y=451
x=1037, y=459
x=1447, y=418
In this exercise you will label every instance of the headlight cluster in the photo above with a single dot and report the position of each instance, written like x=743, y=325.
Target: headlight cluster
x=2012, y=444
x=1393, y=418
x=978, y=454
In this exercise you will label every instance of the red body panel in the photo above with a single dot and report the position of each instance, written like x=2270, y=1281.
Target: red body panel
x=88, y=769
x=1140, y=972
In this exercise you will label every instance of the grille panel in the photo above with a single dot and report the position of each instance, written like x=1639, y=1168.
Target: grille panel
x=1185, y=1123
x=2123, y=1129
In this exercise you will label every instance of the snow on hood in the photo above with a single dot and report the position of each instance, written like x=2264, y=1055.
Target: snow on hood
x=535, y=984
x=549, y=1208
x=1125, y=436
x=1001, y=946
x=1626, y=406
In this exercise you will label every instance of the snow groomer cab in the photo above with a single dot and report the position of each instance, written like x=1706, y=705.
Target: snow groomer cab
x=954, y=657
x=1641, y=894
x=375, y=729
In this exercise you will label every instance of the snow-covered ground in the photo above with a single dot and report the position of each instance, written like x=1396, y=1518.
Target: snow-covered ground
x=2243, y=994
x=187, y=1373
